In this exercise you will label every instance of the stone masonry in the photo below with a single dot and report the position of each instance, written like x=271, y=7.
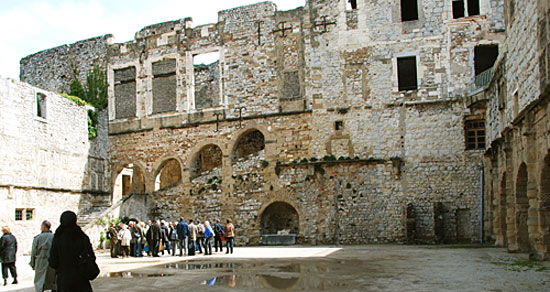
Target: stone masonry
x=48, y=163
x=517, y=160
x=339, y=125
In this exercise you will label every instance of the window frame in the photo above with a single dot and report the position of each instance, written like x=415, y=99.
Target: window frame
x=477, y=128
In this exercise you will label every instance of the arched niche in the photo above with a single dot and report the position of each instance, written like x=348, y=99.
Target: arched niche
x=207, y=160
x=521, y=208
x=168, y=174
x=280, y=216
x=129, y=179
x=249, y=143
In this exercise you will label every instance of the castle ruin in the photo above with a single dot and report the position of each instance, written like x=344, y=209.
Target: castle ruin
x=341, y=122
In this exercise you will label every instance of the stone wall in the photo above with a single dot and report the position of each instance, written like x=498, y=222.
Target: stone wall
x=342, y=145
x=53, y=69
x=48, y=161
x=516, y=160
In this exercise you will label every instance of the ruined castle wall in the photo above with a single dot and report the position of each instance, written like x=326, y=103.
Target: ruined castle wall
x=53, y=69
x=319, y=81
x=517, y=154
x=45, y=158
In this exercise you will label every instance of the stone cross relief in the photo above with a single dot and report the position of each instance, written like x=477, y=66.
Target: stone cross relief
x=282, y=28
x=259, y=25
x=324, y=23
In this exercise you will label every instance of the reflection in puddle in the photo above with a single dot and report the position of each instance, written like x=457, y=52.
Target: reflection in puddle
x=227, y=281
x=250, y=275
x=127, y=274
x=201, y=266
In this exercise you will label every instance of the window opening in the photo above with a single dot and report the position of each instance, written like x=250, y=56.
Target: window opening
x=473, y=7
x=409, y=10
x=484, y=58
x=458, y=9
x=351, y=4
x=41, y=105
x=338, y=125
x=475, y=135
x=164, y=86
x=406, y=73
x=125, y=92
x=18, y=214
x=29, y=214
x=206, y=69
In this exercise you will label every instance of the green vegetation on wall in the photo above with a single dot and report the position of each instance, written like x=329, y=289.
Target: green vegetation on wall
x=94, y=92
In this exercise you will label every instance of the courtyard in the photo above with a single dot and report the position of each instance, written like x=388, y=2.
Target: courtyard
x=349, y=268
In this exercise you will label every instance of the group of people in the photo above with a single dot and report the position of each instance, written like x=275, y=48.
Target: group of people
x=189, y=237
x=54, y=257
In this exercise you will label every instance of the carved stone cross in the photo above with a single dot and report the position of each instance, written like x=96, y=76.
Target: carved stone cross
x=324, y=23
x=282, y=28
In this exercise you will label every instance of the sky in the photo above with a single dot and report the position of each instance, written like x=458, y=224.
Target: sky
x=30, y=26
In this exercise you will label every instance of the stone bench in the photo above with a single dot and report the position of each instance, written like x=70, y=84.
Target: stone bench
x=278, y=239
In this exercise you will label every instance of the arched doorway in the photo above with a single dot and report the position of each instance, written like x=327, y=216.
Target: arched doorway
x=503, y=209
x=280, y=217
x=544, y=206
x=521, y=208
x=250, y=143
x=169, y=174
x=130, y=179
x=208, y=159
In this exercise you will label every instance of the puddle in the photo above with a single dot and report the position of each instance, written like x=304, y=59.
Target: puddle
x=260, y=281
x=249, y=275
x=127, y=274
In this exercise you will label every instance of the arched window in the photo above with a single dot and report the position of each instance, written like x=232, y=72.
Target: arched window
x=168, y=174
x=208, y=159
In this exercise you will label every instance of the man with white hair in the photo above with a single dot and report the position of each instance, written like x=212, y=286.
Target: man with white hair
x=44, y=275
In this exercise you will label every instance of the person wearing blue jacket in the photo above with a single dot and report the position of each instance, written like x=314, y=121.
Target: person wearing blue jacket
x=182, y=229
x=208, y=235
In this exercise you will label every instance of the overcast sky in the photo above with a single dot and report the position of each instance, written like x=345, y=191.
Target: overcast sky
x=29, y=26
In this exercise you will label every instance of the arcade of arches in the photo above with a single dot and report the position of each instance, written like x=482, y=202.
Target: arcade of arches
x=521, y=210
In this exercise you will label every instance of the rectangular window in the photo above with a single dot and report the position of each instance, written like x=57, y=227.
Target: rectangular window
x=484, y=58
x=125, y=92
x=458, y=9
x=18, y=214
x=206, y=73
x=409, y=10
x=29, y=214
x=351, y=4
x=41, y=105
x=406, y=73
x=338, y=125
x=473, y=7
x=475, y=135
x=164, y=86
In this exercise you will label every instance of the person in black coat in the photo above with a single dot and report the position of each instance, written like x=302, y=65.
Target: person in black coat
x=69, y=242
x=8, y=249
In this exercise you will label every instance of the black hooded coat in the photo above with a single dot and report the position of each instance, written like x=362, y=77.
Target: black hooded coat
x=68, y=242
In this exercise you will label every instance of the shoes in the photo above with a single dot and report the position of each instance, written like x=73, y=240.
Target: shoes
x=14, y=281
x=5, y=282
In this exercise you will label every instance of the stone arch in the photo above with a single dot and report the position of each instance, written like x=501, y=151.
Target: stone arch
x=249, y=142
x=521, y=208
x=208, y=158
x=503, y=211
x=128, y=177
x=544, y=206
x=278, y=216
x=168, y=173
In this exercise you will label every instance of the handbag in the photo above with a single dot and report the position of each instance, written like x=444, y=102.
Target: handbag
x=87, y=266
